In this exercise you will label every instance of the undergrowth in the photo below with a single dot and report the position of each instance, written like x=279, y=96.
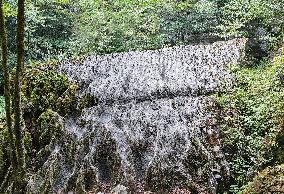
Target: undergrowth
x=253, y=112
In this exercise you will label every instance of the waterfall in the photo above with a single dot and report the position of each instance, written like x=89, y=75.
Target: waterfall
x=152, y=125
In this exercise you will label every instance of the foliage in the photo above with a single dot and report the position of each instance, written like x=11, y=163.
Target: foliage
x=9, y=8
x=116, y=26
x=253, y=112
x=237, y=14
x=269, y=180
x=49, y=27
x=185, y=20
x=59, y=29
x=259, y=19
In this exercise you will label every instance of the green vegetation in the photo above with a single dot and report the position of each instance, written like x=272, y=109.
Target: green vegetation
x=269, y=180
x=58, y=29
x=116, y=26
x=47, y=96
x=16, y=172
x=253, y=124
x=253, y=119
x=45, y=89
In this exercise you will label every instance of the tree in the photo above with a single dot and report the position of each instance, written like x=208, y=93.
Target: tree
x=16, y=144
x=16, y=152
x=17, y=94
x=7, y=87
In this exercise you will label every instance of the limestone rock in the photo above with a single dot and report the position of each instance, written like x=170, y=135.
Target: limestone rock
x=152, y=128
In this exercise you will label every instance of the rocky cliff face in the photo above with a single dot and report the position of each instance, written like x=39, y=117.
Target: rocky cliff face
x=149, y=123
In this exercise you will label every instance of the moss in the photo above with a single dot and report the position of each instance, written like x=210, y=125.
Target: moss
x=47, y=97
x=270, y=180
x=4, y=153
x=48, y=128
x=49, y=125
x=2, y=108
x=86, y=101
x=28, y=141
x=66, y=104
x=86, y=182
x=46, y=89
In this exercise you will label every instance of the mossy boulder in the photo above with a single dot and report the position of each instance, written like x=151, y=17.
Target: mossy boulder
x=49, y=125
x=47, y=97
x=46, y=89
x=270, y=180
x=86, y=100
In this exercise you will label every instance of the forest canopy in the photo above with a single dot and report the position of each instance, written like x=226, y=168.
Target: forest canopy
x=58, y=29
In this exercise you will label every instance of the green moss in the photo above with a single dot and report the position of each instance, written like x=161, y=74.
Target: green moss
x=86, y=101
x=48, y=129
x=47, y=98
x=252, y=117
x=270, y=180
x=27, y=141
x=46, y=89
x=49, y=125
x=4, y=152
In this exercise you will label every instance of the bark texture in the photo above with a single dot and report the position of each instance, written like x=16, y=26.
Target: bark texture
x=17, y=96
x=7, y=87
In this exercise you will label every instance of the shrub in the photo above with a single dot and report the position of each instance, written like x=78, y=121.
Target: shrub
x=270, y=180
x=253, y=111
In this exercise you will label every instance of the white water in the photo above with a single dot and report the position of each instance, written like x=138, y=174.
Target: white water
x=154, y=127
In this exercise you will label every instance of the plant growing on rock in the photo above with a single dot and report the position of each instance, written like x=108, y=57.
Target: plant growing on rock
x=269, y=180
x=46, y=89
x=252, y=125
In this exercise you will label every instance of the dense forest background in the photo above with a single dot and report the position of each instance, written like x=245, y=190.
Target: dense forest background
x=57, y=30
x=65, y=28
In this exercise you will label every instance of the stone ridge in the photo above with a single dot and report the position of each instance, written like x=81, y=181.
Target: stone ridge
x=177, y=71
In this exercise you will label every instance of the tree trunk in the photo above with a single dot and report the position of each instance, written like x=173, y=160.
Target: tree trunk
x=7, y=91
x=17, y=95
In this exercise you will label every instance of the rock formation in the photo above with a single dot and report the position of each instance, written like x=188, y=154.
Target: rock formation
x=151, y=126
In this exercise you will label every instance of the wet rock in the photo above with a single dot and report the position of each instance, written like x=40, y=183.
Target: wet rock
x=119, y=189
x=151, y=126
x=177, y=71
x=178, y=190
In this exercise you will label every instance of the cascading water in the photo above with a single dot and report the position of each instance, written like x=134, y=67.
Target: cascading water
x=151, y=127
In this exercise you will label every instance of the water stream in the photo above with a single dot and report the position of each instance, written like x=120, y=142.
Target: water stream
x=153, y=126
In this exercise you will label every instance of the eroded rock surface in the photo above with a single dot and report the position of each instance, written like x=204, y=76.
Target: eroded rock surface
x=152, y=128
x=185, y=70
